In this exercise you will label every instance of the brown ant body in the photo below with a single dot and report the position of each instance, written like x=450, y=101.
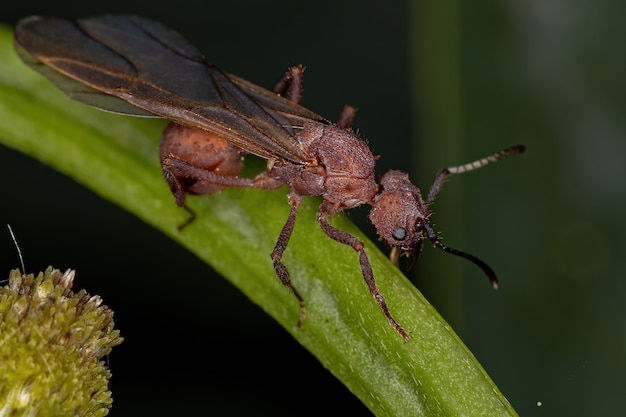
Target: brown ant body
x=136, y=66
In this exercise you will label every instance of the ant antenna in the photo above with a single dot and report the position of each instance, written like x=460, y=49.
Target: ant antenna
x=443, y=174
x=482, y=265
x=436, y=186
x=19, y=252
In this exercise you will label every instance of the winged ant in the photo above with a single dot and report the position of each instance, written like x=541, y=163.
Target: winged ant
x=133, y=65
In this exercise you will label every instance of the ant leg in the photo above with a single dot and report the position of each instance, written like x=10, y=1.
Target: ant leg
x=180, y=175
x=195, y=161
x=291, y=83
x=267, y=180
x=326, y=209
x=279, y=249
x=176, y=170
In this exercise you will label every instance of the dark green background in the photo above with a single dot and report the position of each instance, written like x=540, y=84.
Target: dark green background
x=436, y=85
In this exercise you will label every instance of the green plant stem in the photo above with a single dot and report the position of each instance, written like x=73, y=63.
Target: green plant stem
x=117, y=157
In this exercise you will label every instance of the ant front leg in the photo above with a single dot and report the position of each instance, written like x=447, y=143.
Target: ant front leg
x=279, y=249
x=326, y=209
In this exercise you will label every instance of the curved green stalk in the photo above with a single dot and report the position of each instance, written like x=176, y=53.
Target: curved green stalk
x=117, y=157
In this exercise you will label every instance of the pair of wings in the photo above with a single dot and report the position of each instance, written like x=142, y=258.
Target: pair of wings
x=136, y=66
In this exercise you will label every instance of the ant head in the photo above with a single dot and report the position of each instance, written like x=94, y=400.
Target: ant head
x=400, y=216
x=399, y=213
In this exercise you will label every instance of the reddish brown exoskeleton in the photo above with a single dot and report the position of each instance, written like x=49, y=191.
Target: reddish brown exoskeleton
x=133, y=65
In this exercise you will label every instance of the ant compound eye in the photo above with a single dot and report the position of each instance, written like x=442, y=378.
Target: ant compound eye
x=399, y=234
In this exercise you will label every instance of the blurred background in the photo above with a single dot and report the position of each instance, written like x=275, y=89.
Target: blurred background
x=436, y=85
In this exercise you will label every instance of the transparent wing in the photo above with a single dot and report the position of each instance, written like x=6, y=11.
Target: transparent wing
x=133, y=65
